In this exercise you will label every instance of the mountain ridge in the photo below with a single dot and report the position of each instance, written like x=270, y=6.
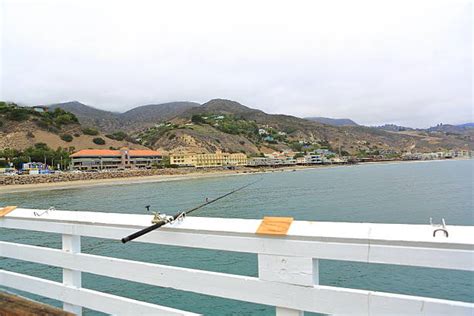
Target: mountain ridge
x=332, y=121
x=136, y=118
x=227, y=125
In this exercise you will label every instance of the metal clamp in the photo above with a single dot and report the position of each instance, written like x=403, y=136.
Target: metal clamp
x=45, y=212
x=441, y=229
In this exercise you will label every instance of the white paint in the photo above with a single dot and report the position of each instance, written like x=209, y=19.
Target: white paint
x=288, y=266
x=418, y=235
x=371, y=243
x=94, y=300
x=291, y=270
x=323, y=299
x=281, y=311
x=72, y=244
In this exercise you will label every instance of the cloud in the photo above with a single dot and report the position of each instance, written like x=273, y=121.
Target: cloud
x=373, y=61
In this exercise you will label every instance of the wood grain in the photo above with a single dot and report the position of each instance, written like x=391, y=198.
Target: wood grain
x=12, y=305
x=275, y=225
x=7, y=209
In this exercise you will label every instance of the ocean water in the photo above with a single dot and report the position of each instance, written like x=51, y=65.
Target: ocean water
x=378, y=193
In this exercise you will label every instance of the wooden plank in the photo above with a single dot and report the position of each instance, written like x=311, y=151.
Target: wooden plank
x=7, y=209
x=277, y=226
x=443, y=256
x=460, y=237
x=72, y=244
x=102, y=302
x=322, y=299
x=14, y=305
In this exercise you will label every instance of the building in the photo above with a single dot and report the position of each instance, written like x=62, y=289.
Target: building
x=35, y=168
x=40, y=108
x=271, y=162
x=99, y=159
x=218, y=159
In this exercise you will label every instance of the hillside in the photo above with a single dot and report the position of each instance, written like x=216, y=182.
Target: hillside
x=220, y=125
x=254, y=131
x=135, y=119
x=454, y=129
x=21, y=128
x=89, y=116
x=332, y=121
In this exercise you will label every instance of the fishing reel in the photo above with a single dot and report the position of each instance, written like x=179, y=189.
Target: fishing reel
x=158, y=217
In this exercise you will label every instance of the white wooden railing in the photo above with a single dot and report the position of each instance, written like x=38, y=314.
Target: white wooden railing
x=287, y=266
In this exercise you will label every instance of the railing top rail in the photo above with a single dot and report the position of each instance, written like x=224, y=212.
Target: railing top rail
x=460, y=237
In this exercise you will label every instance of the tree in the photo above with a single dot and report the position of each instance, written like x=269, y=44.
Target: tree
x=197, y=119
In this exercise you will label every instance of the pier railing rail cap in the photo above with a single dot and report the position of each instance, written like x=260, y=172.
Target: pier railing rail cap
x=287, y=265
x=459, y=236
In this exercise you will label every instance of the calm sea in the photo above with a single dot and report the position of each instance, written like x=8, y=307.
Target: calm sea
x=381, y=193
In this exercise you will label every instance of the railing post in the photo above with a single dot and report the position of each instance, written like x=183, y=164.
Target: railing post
x=72, y=244
x=293, y=270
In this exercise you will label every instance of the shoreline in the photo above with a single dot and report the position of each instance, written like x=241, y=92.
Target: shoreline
x=19, y=188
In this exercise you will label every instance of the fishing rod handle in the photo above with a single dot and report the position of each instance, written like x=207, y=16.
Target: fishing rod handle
x=143, y=231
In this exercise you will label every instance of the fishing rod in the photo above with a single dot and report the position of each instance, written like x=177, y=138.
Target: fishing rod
x=162, y=219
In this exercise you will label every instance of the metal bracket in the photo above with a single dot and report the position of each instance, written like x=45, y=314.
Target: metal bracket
x=442, y=227
x=45, y=212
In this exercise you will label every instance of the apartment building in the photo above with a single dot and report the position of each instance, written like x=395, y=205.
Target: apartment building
x=218, y=159
x=103, y=159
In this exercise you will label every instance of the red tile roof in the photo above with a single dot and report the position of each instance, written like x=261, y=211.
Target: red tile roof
x=145, y=152
x=113, y=153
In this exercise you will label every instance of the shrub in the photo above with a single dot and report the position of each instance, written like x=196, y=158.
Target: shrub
x=30, y=135
x=65, y=119
x=18, y=115
x=67, y=137
x=197, y=119
x=99, y=141
x=90, y=131
x=171, y=136
x=53, y=129
x=117, y=135
x=77, y=135
x=42, y=124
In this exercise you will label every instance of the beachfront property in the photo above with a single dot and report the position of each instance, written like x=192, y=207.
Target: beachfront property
x=218, y=159
x=104, y=159
x=290, y=158
x=437, y=155
x=35, y=168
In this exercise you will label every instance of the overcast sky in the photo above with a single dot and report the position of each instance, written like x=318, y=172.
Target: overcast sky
x=403, y=62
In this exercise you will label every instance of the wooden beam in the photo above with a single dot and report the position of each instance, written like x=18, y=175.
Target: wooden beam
x=277, y=292
x=13, y=305
x=102, y=302
x=444, y=255
x=7, y=209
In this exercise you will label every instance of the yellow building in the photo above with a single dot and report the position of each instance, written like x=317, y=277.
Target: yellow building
x=219, y=159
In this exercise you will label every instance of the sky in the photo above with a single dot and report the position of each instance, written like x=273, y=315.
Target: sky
x=376, y=62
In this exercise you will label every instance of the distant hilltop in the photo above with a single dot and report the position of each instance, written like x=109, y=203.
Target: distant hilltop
x=333, y=121
x=224, y=125
x=134, y=119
